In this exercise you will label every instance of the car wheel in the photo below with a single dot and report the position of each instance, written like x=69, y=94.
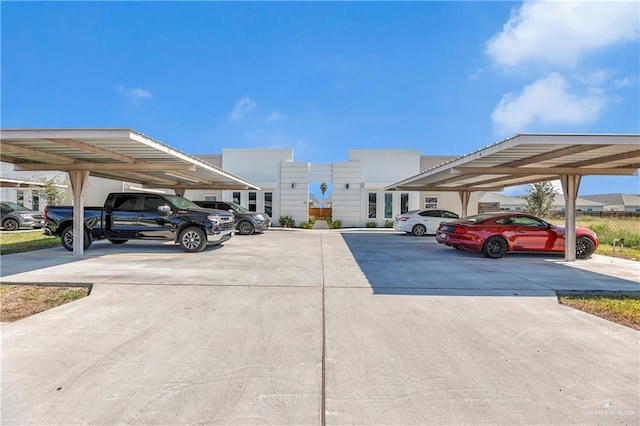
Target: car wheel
x=66, y=237
x=584, y=247
x=495, y=247
x=192, y=239
x=11, y=225
x=419, y=230
x=245, y=228
x=115, y=241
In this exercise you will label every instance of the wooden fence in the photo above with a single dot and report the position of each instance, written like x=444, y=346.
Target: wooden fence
x=320, y=213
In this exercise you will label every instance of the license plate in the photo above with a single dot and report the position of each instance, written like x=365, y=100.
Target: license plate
x=443, y=236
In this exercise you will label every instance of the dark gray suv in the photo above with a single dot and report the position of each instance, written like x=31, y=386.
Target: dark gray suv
x=247, y=222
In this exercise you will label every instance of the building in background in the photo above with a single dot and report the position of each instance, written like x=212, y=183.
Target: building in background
x=617, y=202
x=356, y=195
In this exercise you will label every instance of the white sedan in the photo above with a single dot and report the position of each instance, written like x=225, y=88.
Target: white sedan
x=422, y=222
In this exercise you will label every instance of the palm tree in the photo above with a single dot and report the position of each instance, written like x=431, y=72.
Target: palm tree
x=323, y=189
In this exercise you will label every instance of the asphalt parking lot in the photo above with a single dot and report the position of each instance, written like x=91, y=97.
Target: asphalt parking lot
x=318, y=327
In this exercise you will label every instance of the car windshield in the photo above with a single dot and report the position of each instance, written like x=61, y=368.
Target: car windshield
x=16, y=207
x=238, y=208
x=181, y=202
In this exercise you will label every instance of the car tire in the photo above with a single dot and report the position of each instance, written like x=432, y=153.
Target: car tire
x=116, y=241
x=419, y=230
x=495, y=247
x=245, y=228
x=584, y=247
x=10, y=225
x=66, y=237
x=192, y=239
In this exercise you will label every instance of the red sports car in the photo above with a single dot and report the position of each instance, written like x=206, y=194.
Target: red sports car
x=495, y=234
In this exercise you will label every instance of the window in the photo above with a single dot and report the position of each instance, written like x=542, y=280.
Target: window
x=152, y=202
x=404, y=202
x=373, y=205
x=268, y=203
x=430, y=202
x=526, y=221
x=20, y=195
x=210, y=198
x=252, y=201
x=430, y=213
x=388, y=205
x=125, y=202
x=35, y=202
x=236, y=197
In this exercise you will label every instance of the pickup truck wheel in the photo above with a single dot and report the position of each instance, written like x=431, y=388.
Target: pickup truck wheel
x=192, y=239
x=115, y=241
x=245, y=228
x=10, y=225
x=66, y=237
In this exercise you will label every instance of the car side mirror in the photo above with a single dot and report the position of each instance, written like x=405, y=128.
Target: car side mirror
x=164, y=209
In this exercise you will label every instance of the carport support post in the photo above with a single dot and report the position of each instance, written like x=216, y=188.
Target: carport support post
x=570, y=185
x=79, y=179
x=464, y=199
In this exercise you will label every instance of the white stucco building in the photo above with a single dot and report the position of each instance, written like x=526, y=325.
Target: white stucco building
x=357, y=195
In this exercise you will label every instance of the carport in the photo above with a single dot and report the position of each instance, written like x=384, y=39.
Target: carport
x=118, y=154
x=531, y=158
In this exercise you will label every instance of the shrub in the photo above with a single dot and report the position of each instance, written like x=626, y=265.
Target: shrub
x=287, y=222
x=306, y=225
x=371, y=224
x=388, y=224
x=335, y=224
x=312, y=220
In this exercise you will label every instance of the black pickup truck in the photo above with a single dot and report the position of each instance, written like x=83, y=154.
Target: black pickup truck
x=146, y=216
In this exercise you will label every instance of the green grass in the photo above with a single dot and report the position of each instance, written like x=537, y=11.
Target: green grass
x=623, y=310
x=609, y=229
x=17, y=242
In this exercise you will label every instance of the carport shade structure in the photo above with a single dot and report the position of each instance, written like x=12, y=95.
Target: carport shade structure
x=118, y=154
x=531, y=158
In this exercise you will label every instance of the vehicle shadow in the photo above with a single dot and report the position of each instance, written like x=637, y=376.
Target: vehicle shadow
x=17, y=263
x=402, y=265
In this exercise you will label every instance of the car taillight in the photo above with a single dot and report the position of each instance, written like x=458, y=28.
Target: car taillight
x=403, y=219
x=460, y=230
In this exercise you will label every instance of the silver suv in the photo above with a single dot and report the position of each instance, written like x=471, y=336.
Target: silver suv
x=247, y=222
x=14, y=216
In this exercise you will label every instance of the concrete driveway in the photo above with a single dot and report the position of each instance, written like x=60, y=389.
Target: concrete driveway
x=318, y=327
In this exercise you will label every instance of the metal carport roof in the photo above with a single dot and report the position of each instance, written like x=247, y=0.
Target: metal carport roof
x=119, y=154
x=530, y=158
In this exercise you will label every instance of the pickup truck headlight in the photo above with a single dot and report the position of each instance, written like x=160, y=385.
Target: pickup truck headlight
x=213, y=219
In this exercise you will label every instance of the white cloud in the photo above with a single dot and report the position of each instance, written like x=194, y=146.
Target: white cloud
x=135, y=93
x=242, y=107
x=476, y=74
x=626, y=81
x=275, y=116
x=547, y=101
x=560, y=33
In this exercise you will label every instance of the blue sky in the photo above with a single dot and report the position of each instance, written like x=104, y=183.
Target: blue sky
x=445, y=78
